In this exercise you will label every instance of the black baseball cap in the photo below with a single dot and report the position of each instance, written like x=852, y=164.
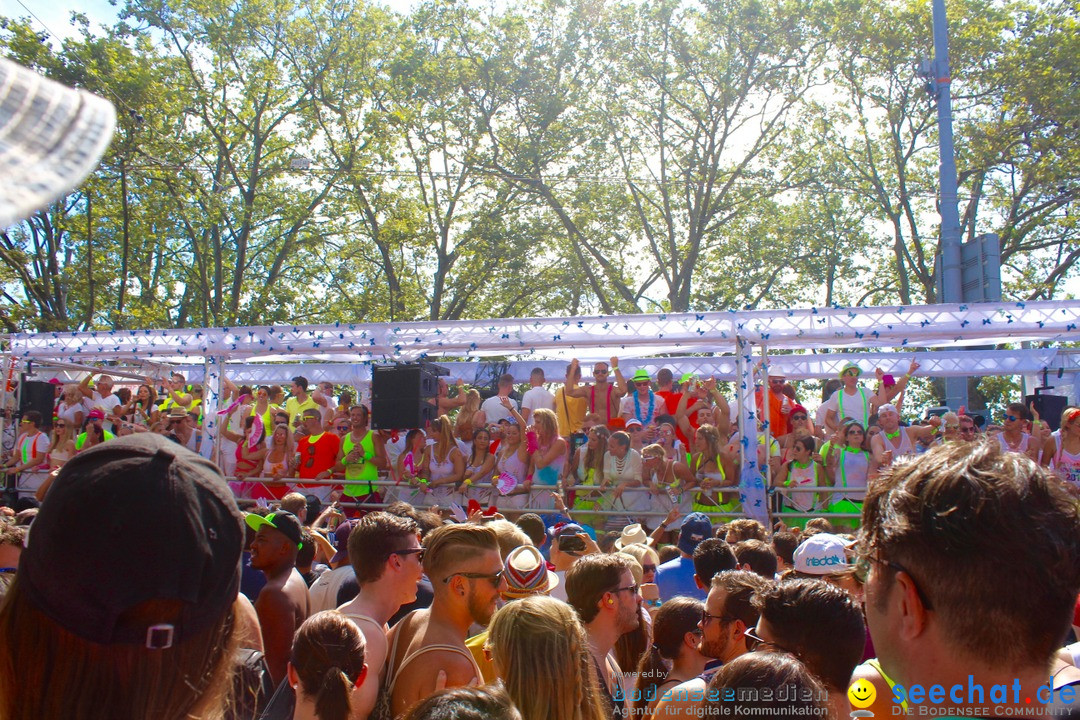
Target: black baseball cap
x=284, y=522
x=135, y=519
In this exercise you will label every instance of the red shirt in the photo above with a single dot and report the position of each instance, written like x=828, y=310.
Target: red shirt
x=671, y=402
x=318, y=457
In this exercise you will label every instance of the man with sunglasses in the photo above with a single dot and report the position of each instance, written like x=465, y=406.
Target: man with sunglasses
x=1014, y=438
x=360, y=457
x=317, y=454
x=386, y=559
x=972, y=560
x=31, y=449
x=642, y=404
x=968, y=429
x=602, y=590
x=602, y=396
x=466, y=573
x=728, y=613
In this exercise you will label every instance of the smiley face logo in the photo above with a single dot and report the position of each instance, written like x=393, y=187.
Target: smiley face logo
x=861, y=694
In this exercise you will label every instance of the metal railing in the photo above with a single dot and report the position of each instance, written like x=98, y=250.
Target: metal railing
x=776, y=495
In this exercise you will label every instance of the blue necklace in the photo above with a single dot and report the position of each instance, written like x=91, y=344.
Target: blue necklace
x=637, y=408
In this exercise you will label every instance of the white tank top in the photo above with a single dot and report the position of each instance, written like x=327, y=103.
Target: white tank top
x=1066, y=465
x=1025, y=439
x=904, y=448
x=801, y=477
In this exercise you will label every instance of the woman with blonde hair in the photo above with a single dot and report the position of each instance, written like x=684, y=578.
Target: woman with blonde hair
x=72, y=407
x=513, y=459
x=469, y=418
x=278, y=461
x=646, y=557
x=713, y=470
x=61, y=444
x=444, y=466
x=548, y=457
x=541, y=653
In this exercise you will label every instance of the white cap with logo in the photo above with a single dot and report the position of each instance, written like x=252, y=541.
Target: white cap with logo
x=822, y=554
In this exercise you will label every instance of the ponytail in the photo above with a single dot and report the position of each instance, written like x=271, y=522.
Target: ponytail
x=327, y=651
x=652, y=672
x=673, y=621
x=333, y=699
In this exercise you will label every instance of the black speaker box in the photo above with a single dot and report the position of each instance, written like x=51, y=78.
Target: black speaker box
x=37, y=396
x=403, y=396
x=1050, y=407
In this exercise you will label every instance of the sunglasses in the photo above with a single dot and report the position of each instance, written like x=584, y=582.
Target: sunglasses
x=1011, y=418
x=706, y=617
x=494, y=578
x=648, y=568
x=342, y=428
x=854, y=432
x=60, y=425
x=600, y=372
x=641, y=383
x=310, y=462
x=632, y=588
x=418, y=552
x=798, y=416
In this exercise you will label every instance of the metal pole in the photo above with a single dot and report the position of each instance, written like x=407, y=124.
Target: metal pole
x=766, y=413
x=951, y=273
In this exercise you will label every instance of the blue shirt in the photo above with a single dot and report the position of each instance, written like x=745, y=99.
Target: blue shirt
x=676, y=577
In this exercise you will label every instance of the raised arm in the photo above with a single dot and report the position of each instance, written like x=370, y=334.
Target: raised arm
x=620, y=381
x=570, y=384
x=885, y=395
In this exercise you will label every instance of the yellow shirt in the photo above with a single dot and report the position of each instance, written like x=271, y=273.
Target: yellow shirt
x=570, y=412
x=294, y=407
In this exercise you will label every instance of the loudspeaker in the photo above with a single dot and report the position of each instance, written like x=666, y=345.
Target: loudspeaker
x=1050, y=407
x=404, y=396
x=37, y=396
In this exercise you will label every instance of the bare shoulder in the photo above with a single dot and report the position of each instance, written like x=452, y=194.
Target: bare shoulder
x=681, y=701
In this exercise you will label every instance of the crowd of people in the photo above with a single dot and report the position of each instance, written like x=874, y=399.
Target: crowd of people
x=611, y=452
x=275, y=600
